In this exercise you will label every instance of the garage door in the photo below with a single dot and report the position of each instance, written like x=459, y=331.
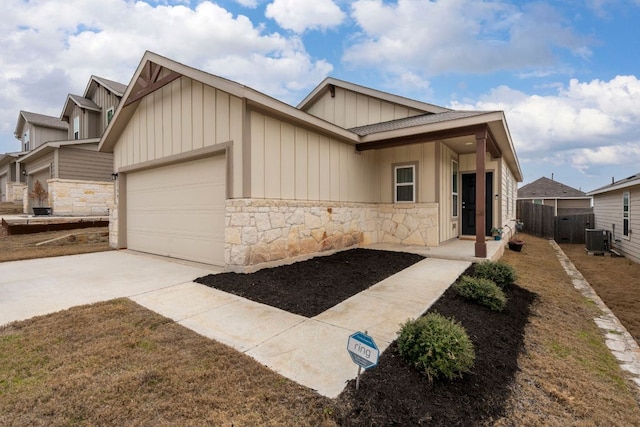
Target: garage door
x=178, y=210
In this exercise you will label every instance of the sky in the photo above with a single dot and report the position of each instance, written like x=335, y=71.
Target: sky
x=565, y=72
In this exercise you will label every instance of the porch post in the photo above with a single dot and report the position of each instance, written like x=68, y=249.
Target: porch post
x=481, y=177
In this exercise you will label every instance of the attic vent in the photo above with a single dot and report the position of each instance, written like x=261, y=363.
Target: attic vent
x=332, y=89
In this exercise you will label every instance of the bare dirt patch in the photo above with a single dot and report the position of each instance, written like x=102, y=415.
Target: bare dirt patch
x=615, y=280
x=23, y=246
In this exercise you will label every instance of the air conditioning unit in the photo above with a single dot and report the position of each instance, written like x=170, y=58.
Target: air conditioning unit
x=597, y=240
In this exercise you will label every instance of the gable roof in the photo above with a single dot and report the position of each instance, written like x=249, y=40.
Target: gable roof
x=38, y=120
x=437, y=123
x=327, y=83
x=113, y=86
x=545, y=188
x=408, y=122
x=630, y=181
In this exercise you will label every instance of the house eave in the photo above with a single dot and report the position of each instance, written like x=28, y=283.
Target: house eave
x=615, y=187
x=52, y=146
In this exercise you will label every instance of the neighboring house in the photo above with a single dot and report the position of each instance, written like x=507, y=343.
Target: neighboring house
x=564, y=199
x=77, y=176
x=617, y=209
x=212, y=171
x=11, y=181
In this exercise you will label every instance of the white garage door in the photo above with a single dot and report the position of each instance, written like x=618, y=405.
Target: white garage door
x=178, y=210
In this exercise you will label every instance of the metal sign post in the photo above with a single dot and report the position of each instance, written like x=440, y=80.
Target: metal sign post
x=363, y=351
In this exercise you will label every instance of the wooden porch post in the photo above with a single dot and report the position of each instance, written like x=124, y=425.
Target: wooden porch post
x=481, y=177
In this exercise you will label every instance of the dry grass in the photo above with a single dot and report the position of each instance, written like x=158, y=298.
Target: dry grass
x=567, y=375
x=116, y=363
x=23, y=246
x=616, y=280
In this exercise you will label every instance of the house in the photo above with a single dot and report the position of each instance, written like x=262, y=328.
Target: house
x=212, y=171
x=564, y=199
x=617, y=209
x=11, y=184
x=76, y=175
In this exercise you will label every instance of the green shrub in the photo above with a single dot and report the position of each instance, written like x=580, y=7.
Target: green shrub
x=499, y=272
x=436, y=346
x=483, y=291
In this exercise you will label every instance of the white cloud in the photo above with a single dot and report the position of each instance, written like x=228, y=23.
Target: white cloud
x=586, y=124
x=435, y=37
x=50, y=49
x=248, y=3
x=299, y=16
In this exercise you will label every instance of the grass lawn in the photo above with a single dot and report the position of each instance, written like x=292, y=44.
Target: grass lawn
x=116, y=363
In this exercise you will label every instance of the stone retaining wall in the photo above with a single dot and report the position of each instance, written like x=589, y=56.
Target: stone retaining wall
x=259, y=231
x=70, y=197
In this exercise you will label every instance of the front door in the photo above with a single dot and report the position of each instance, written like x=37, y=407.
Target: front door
x=469, y=204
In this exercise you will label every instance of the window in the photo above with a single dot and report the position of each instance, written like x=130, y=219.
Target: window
x=625, y=214
x=404, y=183
x=25, y=141
x=454, y=189
x=76, y=127
x=109, y=115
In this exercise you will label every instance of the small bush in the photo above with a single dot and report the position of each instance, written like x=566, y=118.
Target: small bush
x=499, y=272
x=436, y=346
x=483, y=291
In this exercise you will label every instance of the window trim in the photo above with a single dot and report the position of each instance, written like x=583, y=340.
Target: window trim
x=26, y=141
x=111, y=110
x=394, y=169
x=455, y=188
x=626, y=214
x=76, y=129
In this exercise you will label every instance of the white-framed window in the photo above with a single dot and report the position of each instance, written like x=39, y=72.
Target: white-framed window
x=25, y=141
x=454, y=188
x=537, y=201
x=625, y=213
x=110, y=112
x=404, y=184
x=76, y=127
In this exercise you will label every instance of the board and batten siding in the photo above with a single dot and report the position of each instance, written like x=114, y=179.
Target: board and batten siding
x=105, y=99
x=292, y=163
x=182, y=116
x=82, y=164
x=38, y=135
x=607, y=208
x=350, y=109
x=449, y=228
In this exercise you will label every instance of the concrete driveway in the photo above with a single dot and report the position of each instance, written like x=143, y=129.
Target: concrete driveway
x=41, y=286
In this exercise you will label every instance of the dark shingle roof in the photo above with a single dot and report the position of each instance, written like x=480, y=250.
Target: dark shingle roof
x=118, y=88
x=423, y=119
x=547, y=188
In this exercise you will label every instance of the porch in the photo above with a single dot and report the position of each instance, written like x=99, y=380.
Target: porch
x=462, y=249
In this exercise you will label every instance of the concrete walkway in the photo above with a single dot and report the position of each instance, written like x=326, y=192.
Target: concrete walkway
x=312, y=352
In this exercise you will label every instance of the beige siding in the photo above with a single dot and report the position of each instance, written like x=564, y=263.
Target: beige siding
x=574, y=203
x=181, y=117
x=45, y=161
x=39, y=135
x=87, y=165
x=607, y=208
x=424, y=154
x=105, y=99
x=292, y=163
x=350, y=109
x=449, y=228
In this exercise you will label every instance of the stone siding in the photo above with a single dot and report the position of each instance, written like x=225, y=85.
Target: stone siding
x=70, y=197
x=260, y=231
x=15, y=192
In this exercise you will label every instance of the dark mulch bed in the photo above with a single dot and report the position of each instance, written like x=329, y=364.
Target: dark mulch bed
x=310, y=287
x=393, y=393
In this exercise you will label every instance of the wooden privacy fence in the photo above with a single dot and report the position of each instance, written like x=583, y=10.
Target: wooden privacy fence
x=539, y=220
x=570, y=228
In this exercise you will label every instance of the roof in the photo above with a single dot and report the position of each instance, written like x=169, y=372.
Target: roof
x=117, y=88
x=54, y=145
x=38, y=120
x=627, y=182
x=83, y=102
x=545, y=188
x=326, y=84
x=436, y=122
x=408, y=122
